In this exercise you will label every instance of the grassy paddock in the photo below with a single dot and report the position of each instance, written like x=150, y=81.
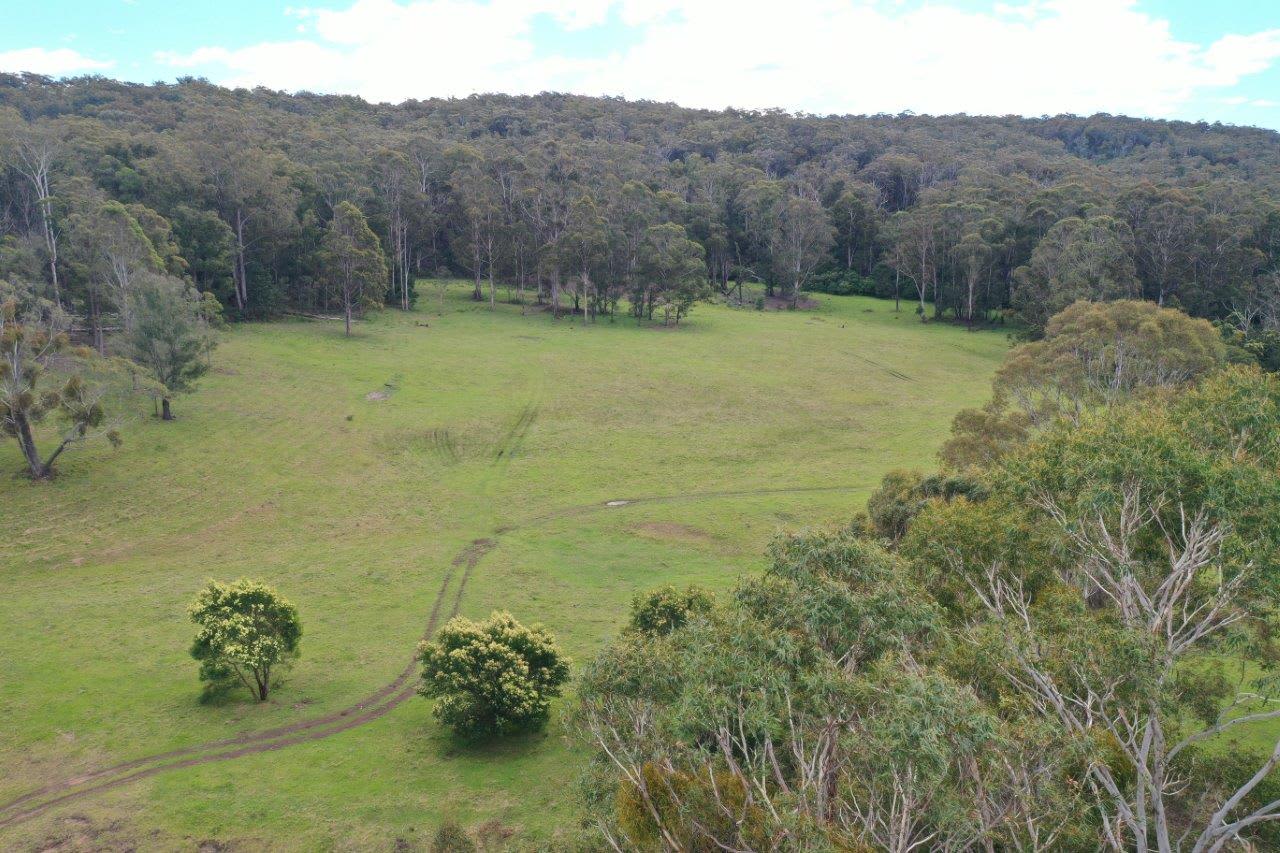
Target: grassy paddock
x=494, y=426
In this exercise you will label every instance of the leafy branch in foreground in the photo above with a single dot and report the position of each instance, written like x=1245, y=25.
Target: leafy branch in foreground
x=1045, y=658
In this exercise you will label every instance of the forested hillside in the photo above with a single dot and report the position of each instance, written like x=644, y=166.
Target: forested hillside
x=605, y=200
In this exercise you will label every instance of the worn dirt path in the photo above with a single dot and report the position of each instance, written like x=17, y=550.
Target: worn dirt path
x=371, y=707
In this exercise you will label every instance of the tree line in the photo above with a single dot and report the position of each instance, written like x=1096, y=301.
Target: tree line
x=591, y=204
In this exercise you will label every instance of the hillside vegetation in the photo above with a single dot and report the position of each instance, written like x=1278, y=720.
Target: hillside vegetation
x=414, y=470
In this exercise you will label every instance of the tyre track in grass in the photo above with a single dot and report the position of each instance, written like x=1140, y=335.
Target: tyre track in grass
x=372, y=707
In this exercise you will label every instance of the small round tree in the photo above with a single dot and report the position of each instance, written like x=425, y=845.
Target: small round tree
x=246, y=630
x=667, y=609
x=494, y=677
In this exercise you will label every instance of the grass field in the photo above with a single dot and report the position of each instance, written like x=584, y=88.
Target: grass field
x=481, y=481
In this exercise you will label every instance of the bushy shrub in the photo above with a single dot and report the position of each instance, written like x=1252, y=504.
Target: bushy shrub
x=494, y=677
x=667, y=609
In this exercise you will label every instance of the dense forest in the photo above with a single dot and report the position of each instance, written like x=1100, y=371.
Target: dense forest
x=606, y=202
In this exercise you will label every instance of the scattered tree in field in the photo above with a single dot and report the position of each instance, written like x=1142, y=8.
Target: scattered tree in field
x=247, y=632
x=667, y=609
x=169, y=335
x=495, y=677
x=35, y=352
x=354, y=263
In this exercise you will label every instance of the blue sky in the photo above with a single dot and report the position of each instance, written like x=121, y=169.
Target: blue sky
x=1165, y=58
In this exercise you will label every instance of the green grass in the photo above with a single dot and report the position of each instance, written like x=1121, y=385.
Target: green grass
x=281, y=468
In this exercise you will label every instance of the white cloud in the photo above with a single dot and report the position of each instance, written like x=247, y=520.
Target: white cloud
x=1041, y=56
x=54, y=63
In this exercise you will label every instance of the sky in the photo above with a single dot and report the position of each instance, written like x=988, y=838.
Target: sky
x=1184, y=59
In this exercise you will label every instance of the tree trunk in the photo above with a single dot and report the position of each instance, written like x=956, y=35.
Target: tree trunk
x=51, y=241
x=493, y=293
x=263, y=681
x=166, y=414
x=95, y=322
x=241, y=288
x=37, y=468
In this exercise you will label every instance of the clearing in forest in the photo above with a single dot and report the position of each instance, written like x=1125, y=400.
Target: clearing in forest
x=521, y=463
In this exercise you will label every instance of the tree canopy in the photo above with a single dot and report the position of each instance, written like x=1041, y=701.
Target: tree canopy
x=552, y=196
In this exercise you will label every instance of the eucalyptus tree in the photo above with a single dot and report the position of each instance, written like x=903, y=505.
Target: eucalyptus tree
x=856, y=216
x=247, y=183
x=675, y=266
x=1158, y=528
x=393, y=184
x=34, y=151
x=108, y=251
x=794, y=230
x=1077, y=259
x=583, y=249
x=355, y=266
x=912, y=235
x=169, y=335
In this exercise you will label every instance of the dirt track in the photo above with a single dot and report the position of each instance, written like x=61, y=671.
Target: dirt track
x=371, y=707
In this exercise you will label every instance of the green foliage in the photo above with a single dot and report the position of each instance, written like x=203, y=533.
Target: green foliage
x=246, y=632
x=490, y=678
x=34, y=343
x=673, y=264
x=1092, y=354
x=902, y=494
x=207, y=244
x=1078, y=259
x=667, y=609
x=168, y=333
x=1255, y=346
x=1060, y=637
x=853, y=599
x=840, y=282
x=354, y=263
